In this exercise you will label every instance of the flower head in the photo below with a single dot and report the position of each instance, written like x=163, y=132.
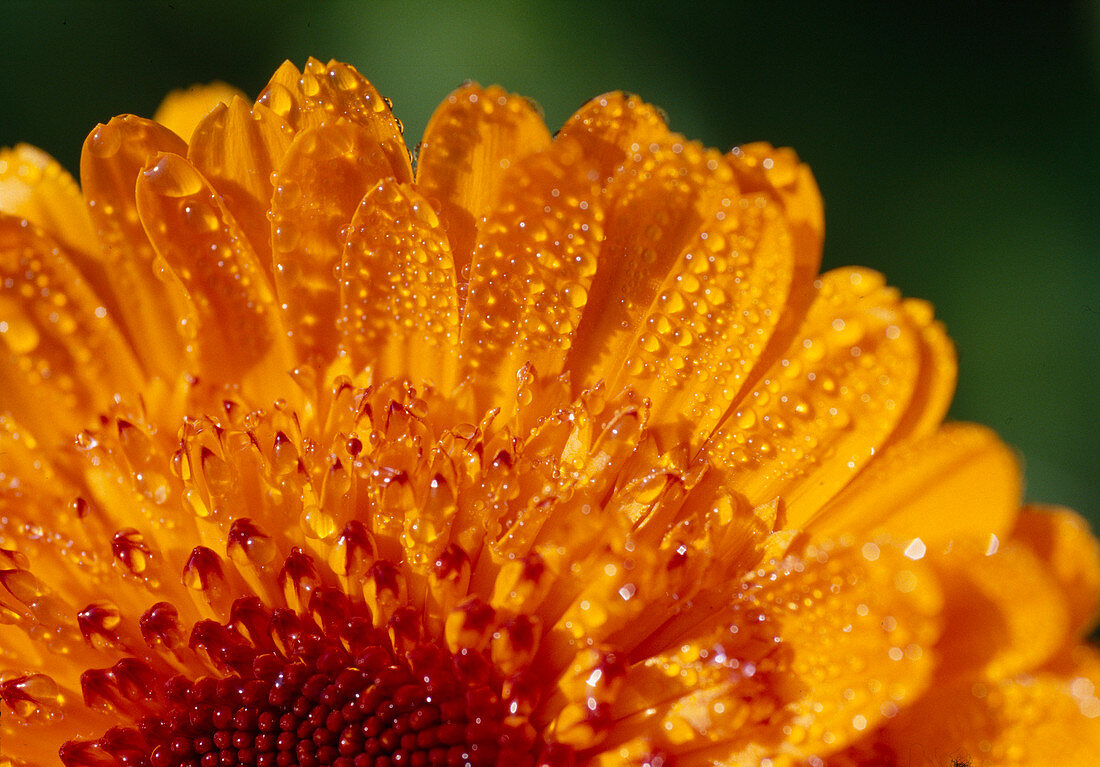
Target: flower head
x=538, y=450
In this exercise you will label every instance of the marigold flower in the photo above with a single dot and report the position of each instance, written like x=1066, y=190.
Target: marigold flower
x=536, y=450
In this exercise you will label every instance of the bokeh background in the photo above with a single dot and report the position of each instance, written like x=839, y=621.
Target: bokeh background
x=957, y=145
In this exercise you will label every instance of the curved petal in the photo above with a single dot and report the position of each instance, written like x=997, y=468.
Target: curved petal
x=202, y=248
x=64, y=358
x=822, y=411
x=398, y=301
x=961, y=482
x=1062, y=540
x=34, y=186
x=1027, y=721
x=283, y=96
x=1005, y=613
x=327, y=93
x=321, y=179
x=938, y=374
x=656, y=208
x=612, y=128
x=114, y=154
x=236, y=147
x=810, y=653
x=687, y=336
x=533, y=265
x=860, y=632
x=779, y=173
x=471, y=141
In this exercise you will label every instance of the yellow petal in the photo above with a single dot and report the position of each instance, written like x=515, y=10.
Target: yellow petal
x=323, y=176
x=64, y=357
x=822, y=411
x=201, y=247
x=329, y=93
x=471, y=141
x=533, y=266
x=960, y=482
x=34, y=186
x=1028, y=721
x=1062, y=540
x=182, y=110
x=1005, y=613
x=398, y=302
x=236, y=147
x=113, y=157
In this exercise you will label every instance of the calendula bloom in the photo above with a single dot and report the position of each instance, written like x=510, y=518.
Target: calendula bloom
x=534, y=451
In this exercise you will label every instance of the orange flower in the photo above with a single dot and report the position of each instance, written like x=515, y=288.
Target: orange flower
x=540, y=450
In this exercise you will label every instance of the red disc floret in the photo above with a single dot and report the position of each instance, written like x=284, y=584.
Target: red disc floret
x=294, y=694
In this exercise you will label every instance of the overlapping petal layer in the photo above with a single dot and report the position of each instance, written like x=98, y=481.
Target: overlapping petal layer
x=548, y=451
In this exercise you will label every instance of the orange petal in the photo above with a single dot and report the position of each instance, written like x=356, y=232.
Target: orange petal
x=328, y=93
x=472, y=139
x=698, y=331
x=182, y=110
x=1062, y=540
x=59, y=716
x=1029, y=721
x=113, y=156
x=960, y=482
x=858, y=633
x=398, y=303
x=339, y=89
x=822, y=411
x=322, y=178
x=777, y=172
x=612, y=128
x=938, y=373
x=283, y=96
x=655, y=208
x=533, y=265
x=238, y=323
x=820, y=647
x=1006, y=614
x=236, y=147
x=35, y=490
x=34, y=186
x=64, y=356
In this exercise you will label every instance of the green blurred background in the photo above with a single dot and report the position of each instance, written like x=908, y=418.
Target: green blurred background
x=956, y=144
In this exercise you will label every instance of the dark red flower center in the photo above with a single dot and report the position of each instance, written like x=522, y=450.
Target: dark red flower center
x=296, y=695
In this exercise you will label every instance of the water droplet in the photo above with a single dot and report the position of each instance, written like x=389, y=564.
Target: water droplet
x=200, y=215
x=575, y=295
x=248, y=545
x=172, y=176
x=105, y=141
x=16, y=329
